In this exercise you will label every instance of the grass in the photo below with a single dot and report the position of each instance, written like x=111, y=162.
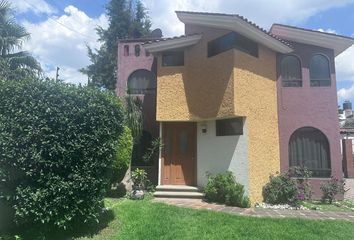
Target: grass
x=342, y=206
x=148, y=220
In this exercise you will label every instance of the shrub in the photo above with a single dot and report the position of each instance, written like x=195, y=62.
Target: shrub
x=281, y=189
x=331, y=188
x=223, y=188
x=57, y=144
x=123, y=157
x=139, y=178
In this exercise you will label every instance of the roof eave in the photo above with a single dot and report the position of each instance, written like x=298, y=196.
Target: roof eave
x=336, y=42
x=233, y=23
x=170, y=44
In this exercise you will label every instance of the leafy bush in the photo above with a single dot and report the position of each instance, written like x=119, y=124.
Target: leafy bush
x=223, y=188
x=281, y=189
x=124, y=154
x=57, y=145
x=331, y=188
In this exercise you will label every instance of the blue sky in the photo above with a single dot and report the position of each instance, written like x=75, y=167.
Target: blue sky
x=65, y=46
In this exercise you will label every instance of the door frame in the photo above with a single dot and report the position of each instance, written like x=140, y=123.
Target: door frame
x=194, y=148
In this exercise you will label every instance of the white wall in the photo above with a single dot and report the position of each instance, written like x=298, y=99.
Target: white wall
x=220, y=154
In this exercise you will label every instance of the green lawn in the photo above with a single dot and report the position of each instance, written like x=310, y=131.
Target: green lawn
x=346, y=206
x=148, y=220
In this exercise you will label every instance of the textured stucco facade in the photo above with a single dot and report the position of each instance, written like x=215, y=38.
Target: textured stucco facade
x=227, y=85
x=202, y=88
x=256, y=98
x=308, y=106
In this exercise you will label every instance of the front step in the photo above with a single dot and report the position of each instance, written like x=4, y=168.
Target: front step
x=178, y=191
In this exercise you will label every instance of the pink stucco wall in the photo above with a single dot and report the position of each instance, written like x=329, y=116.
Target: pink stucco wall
x=309, y=107
x=128, y=64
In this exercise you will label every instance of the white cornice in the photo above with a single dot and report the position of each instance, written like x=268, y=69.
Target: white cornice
x=234, y=23
x=173, y=43
x=331, y=41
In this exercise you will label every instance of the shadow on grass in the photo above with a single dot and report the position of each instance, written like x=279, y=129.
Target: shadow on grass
x=44, y=233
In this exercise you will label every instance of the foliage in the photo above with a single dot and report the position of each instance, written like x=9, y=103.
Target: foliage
x=331, y=188
x=289, y=187
x=57, y=144
x=302, y=175
x=123, y=157
x=281, y=189
x=12, y=36
x=127, y=19
x=134, y=116
x=139, y=178
x=156, y=144
x=223, y=188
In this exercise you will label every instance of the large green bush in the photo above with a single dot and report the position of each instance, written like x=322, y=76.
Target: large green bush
x=281, y=189
x=124, y=155
x=223, y=188
x=57, y=146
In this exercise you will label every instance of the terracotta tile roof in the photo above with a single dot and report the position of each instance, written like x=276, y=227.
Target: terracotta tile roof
x=169, y=38
x=243, y=19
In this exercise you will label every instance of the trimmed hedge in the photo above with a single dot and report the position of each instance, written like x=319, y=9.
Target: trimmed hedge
x=57, y=146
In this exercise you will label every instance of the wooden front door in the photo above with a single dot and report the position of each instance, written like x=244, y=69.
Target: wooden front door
x=178, y=166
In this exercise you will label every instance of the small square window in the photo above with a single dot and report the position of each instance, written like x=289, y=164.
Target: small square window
x=229, y=127
x=173, y=58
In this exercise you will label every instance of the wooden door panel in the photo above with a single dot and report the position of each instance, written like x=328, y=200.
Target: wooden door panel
x=179, y=153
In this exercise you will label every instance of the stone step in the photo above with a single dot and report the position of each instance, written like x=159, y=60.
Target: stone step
x=178, y=194
x=177, y=188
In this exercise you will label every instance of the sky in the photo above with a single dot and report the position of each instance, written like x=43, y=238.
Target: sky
x=61, y=29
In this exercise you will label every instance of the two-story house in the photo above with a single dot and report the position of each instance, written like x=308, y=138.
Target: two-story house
x=232, y=96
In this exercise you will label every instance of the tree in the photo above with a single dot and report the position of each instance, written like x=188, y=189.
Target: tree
x=12, y=36
x=127, y=19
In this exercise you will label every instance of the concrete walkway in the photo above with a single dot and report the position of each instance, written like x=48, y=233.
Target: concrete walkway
x=258, y=212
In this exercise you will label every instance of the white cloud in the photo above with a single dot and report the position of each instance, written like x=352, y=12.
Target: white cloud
x=36, y=6
x=55, y=45
x=263, y=13
x=328, y=30
x=346, y=93
x=345, y=65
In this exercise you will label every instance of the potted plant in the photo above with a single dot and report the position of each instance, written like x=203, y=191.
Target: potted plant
x=139, y=178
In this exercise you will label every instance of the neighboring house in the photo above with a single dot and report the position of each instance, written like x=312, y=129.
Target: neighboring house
x=346, y=123
x=232, y=96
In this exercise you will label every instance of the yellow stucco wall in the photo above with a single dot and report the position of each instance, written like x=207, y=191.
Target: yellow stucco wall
x=229, y=84
x=202, y=89
x=256, y=98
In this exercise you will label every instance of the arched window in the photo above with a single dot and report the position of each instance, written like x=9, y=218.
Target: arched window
x=291, y=72
x=126, y=50
x=141, y=82
x=137, y=50
x=320, y=75
x=309, y=147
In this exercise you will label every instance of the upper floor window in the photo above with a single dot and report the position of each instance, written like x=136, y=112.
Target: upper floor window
x=126, y=50
x=232, y=40
x=320, y=75
x=173, y=58
x=291, y=72
x=137, y=50
x=141, y=82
